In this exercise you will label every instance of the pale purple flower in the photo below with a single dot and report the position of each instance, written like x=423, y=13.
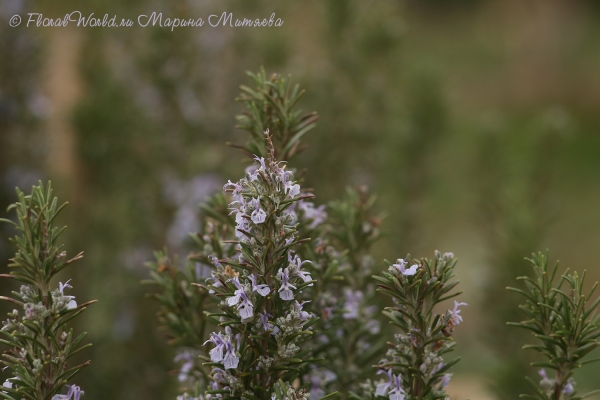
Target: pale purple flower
x=239, y=298
x=262, y=289
x=400, y=267
x=285, y=291
x=252, y=172
x=236, y=191
x=317, y=215
x=216, y=354
x=383, y=387
x=241, y=224
x=230, y=360
x=215, y=282
x=245, y=308
x=293, y=190
x=446, y=380
x=297, y=263
x=542, y=373
x=74, y=393
x=61, y=287
x=186, y=367
x=267, y=326
x=261, y=160
x=352, y=305
x=455, y=313
x=237, y=295
x=303, y=314
x=569, y=389
x=258, y=216
x=397, y=393
x=223, y=350
x=373, y=326
x=290, y=188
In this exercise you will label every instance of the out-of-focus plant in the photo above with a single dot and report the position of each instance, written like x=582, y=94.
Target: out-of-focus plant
x=183, y=302
x=350, y=338
x=40, y=343
x=516, y=169
x=415, y=367
x=565, y=324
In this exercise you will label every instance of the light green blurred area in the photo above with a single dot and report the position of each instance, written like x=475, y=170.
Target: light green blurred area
x=477, y=123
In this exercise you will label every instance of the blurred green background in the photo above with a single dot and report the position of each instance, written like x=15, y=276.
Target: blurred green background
x=477, y=123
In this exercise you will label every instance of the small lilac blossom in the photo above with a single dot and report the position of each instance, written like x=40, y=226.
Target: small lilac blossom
x=245, y=308
x=262, y=289
x=383, y=387
x=252, y=172
x=216, y=354
x=61, y=287
x=352, y=305
x=223, y=351
x=230, y=360
x=397, y=393
x=239, y=298
x=303, y=314
x=237, y=295
x=455, y=313
x=215, y=261
x=186, y=367
x=569, y=389
x=236, y=190
x=446, y=380
x=267, y=326
x=258, y=216
x=74, y=393
x=285, y=290
x=261, y=160
x=242, y=224
x=290, y=188
x=316, y=215
x=297, y=263
x=215, y=282
x=401, y=263
x=543, y=374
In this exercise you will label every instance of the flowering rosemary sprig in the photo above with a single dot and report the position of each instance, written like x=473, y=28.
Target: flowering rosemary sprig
x=565, y=325
x=270, y=106
x=415, y=368
x=40, y=344
x=256, y=353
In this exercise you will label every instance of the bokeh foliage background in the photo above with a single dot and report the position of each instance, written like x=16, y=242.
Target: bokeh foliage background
x=477, y=123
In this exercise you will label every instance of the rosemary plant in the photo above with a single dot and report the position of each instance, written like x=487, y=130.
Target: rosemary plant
x=40, y=344
x=256, y=354
x=415, y=368
x=565, y=325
